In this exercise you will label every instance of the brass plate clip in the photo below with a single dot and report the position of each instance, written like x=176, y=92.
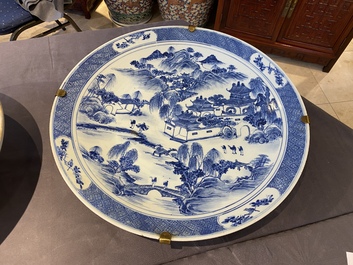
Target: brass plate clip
x=165, y=238
x=191, y=28
x=305, y=119
x=60, y=93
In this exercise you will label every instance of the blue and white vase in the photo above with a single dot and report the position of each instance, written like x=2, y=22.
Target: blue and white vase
x=129, y=12
x=195, y=12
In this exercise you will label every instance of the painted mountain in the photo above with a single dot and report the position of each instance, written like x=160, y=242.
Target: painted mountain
x=182, y=69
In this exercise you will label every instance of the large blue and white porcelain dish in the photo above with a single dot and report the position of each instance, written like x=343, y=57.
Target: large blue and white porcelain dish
x=197, y=134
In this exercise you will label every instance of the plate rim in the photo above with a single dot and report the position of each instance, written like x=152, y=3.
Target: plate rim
x=152, y=235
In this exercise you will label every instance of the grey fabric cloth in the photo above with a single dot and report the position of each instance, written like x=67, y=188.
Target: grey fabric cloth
x=318, y=244
x=46, y=10
x=2, y=124
x=42, y=222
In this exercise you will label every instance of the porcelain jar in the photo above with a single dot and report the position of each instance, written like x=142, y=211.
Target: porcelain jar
x=129, y=12
x=195, y=12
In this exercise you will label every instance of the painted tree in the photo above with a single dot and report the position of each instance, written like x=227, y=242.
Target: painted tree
x=197, y=56
x=183, y=154
x=118, y=150
x=156, y=102
x=211, y=158
x=231, y=68
x=188, y=177
x=127, y=161
x=95, y=154
x=137, y=95
x=223, y=166
x=109, y=82
x=171, y=49
x=190, y=50
x=196, y=156
x=108, y=97
x=122, y=160
x=260, y=161
x=167, y=111
x=257, y=86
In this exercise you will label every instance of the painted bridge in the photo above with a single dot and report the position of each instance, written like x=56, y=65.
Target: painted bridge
x=145, y=189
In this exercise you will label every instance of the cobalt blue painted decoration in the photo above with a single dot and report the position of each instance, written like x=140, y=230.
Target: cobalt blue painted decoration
x=187, y=132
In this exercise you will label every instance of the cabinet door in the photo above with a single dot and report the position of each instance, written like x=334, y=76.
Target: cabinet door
x=254, y=18
x=319, y=25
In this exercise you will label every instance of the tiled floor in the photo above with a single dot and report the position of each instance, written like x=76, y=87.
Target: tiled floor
x=333, y=92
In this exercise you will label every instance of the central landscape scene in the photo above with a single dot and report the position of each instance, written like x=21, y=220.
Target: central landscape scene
x=179, y=130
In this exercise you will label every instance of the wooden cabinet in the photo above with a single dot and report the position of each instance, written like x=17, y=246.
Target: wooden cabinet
x=315, y=31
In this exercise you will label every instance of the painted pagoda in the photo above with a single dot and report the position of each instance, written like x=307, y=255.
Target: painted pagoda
x=205, y=118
